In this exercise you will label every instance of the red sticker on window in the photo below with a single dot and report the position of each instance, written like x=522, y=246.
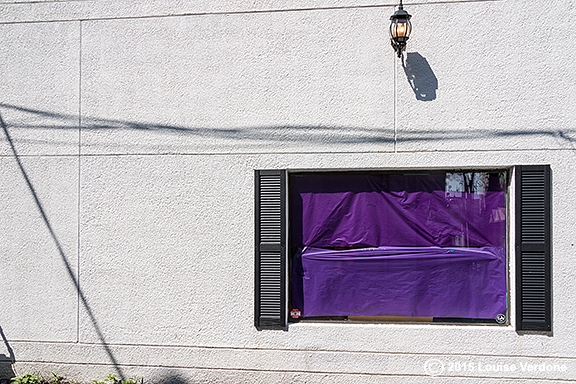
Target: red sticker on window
x=295, y=313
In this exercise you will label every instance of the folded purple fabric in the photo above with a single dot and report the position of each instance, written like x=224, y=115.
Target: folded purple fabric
x=400, y=281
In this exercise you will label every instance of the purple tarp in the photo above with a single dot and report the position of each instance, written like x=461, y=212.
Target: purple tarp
x=402, y=245
x=402, y=281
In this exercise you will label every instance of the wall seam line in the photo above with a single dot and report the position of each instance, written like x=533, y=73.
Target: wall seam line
x=79, y=183
x=241, y=12
x=395, y=105
x=407, y=152
x=287, y=350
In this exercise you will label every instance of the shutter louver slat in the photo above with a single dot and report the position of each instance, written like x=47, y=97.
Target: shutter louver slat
x=533, y=248
x=270, y=296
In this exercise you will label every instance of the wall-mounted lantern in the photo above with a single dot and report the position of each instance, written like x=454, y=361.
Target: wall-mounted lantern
x=400, y=28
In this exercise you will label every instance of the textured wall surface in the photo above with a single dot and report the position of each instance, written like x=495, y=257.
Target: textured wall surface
x=129, y=136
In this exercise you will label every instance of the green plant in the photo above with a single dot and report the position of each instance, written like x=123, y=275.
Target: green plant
x=57, y=379
x=112, y=379
x=29, y=378
x=109, y=379
x=134, y=380
x=37, y=378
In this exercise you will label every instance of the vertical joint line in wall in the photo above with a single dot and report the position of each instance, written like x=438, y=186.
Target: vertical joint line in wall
x=78, y=182
x=80, y=90
x=395, y=103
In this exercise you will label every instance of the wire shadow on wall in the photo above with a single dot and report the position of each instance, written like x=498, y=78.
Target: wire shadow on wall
x=420, y=76
x=73, y=278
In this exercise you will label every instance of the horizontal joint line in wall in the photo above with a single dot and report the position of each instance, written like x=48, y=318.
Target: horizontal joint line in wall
x=166, y=346
x=254, y=11
x=293, y=153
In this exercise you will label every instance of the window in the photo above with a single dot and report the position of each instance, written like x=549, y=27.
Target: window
x=427, y=245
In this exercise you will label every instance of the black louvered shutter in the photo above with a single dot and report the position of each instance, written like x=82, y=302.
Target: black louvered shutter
x=270, y=269
x=533, y=257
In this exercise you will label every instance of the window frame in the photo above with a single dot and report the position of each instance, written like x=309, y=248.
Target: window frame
x=533, y=295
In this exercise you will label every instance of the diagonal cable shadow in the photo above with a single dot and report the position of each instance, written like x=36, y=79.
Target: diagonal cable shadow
x=69, y=270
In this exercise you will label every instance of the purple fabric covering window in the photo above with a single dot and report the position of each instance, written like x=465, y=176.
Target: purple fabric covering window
x=373, y=244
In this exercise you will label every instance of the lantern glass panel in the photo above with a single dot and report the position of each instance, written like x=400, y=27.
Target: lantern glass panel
x=400, y=29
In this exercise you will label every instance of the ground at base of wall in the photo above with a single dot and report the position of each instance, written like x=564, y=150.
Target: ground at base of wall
x=94, y=374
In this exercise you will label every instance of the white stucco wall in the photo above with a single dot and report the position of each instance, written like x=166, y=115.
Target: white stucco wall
x=130, y=136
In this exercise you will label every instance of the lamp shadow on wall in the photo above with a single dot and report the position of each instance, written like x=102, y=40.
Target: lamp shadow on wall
x=420, y=76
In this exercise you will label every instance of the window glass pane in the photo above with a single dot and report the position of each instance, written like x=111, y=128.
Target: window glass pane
x=420, y=245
